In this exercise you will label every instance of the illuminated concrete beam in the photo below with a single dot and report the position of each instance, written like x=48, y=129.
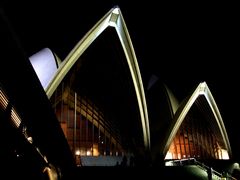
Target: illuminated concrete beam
x=202, y=89
x=114, y=19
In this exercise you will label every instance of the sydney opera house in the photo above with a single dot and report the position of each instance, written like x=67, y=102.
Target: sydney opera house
x=59, y=114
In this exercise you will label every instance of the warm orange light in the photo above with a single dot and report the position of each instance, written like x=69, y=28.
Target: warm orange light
x=77, y=153
x=89, y=153
x=95, y=150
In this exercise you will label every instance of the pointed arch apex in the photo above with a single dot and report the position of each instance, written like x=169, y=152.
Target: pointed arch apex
x=202, y=87
x=201, y=90
x=115, y=19
x=116, y=9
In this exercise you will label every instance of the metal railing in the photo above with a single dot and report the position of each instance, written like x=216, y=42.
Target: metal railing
x=193, y=161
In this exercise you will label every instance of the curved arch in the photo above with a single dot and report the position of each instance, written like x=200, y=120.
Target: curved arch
x=173, y=102
x=114, y=19
x=162, y=106
x=202, y=89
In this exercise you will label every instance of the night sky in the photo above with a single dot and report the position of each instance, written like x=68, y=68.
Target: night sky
x=182, y=44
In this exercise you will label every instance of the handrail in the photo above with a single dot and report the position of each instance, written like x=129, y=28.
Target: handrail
x=193, y=161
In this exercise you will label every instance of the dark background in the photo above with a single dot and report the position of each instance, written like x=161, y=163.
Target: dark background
x=181, y=43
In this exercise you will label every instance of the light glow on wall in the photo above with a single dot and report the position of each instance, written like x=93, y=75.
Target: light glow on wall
x=14, y=115
x=15, y=118
x=223, y=153
x=77, y=153
x=3, y=100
